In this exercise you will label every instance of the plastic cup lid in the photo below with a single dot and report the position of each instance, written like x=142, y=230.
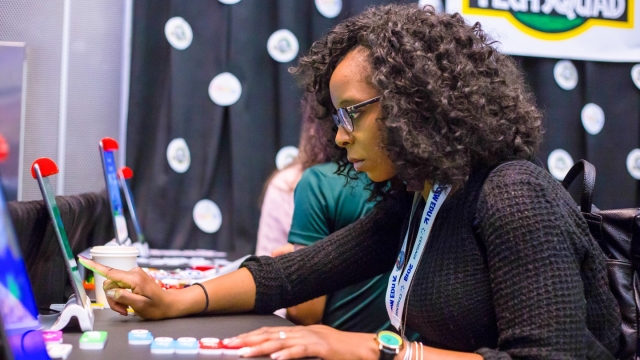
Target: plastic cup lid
x=114, y=251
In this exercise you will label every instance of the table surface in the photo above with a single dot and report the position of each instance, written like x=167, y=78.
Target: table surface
x=118, y=327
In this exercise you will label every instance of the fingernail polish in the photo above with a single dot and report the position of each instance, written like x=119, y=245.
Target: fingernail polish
x=244, y=351
x=111, y=293
x=275, y=356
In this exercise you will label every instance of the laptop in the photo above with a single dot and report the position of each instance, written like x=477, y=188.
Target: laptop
x=19, y=325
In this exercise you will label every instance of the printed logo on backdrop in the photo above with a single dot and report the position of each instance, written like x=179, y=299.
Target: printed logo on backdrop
x=556, y=19
x=635, y=75
x=283, y=46
x=565, y=74
x=178, y=155
x=329, y=8
x=633, y=163
x=285, y=156
x=225, y=89
x=437, y=4
x=559, y=163
x=207, y=216
x=592, y=117
x=178, y=33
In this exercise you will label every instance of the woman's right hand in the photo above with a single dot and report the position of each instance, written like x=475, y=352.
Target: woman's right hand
x=146, y=298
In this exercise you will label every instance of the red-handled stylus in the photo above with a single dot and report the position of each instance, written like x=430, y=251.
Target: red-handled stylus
x=109, y=144
x=125, y=173
x=108, y=147
x=47, y=167
x=4, y=149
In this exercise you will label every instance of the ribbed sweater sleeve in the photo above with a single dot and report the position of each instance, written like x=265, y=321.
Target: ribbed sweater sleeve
x=534, y=249
x=358, y=252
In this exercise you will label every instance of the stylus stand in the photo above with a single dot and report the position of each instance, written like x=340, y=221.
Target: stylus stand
x=59, y=321
x=143, y=249
x=113, y=242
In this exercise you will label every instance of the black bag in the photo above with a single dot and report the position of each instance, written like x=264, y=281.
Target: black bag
x=618, y=234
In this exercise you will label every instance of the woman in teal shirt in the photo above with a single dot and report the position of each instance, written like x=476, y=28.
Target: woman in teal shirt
x=325, y=203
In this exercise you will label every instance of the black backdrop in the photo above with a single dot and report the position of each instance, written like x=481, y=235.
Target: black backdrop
x=233, y=148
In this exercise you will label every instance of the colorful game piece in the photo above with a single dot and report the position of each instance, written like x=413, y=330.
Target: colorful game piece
x=97, y=306
x=230, y=350
x=187, y=345
x=163, y=345
x=59, y=351
x=88, y=285
x=210, y=346
x=140, y=337
x=93, y=340
x=203, y=267
x=52, y=336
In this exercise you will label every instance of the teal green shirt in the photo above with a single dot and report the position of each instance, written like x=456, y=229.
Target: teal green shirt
x=325, y=203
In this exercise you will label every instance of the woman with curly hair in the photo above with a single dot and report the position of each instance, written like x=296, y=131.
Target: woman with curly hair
x=490, y=257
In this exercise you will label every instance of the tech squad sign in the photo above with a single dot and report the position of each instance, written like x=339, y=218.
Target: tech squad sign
x=548, y=18
x=597, y=30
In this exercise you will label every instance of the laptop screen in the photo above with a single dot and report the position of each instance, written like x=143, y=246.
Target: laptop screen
x=18, y=309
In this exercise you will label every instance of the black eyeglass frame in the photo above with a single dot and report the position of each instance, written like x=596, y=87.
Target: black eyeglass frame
x=343, y=116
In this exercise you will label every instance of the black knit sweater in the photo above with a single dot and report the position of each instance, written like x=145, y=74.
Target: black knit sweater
x=509, y=271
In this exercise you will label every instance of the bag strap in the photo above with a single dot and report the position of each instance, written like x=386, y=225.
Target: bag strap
x=588, y=182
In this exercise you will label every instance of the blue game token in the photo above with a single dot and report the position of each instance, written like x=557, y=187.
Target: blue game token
x=187, y=345
x=163, y=345
x=140, y=337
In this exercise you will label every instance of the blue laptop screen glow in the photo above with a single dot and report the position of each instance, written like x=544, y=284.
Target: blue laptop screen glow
x=17, y=306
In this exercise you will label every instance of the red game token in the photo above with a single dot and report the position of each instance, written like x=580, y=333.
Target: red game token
x=203, y=267
x=210, y=346
x=231, y=350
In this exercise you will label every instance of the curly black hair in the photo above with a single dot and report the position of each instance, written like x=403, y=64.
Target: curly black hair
x=316, y=146
x=450, y=101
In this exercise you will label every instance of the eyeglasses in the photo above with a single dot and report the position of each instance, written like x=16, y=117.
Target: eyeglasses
x=344, y=116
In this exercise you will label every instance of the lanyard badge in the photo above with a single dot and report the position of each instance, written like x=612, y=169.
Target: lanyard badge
x=402, y=276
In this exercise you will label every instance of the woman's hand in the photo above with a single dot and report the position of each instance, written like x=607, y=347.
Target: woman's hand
x=306, y=341
x=284, y=249
x=147, y=299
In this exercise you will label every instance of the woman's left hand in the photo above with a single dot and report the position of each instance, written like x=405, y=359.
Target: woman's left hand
x=306, y=341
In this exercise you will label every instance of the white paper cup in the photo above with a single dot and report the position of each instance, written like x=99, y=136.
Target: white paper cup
x=117, y=257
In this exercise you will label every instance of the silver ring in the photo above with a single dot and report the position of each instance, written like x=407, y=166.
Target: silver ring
x=282, y=335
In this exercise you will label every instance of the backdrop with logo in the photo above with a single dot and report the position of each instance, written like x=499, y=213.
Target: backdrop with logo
x=598, y=30
x=212, y=104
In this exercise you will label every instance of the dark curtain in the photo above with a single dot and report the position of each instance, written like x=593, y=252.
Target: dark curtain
x=233, y=148
x=610, y=86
